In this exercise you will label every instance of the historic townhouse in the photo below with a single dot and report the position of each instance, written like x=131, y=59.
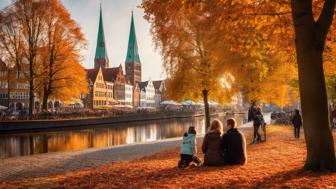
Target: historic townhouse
x=14, y=84
x=101, y=91
x=160, y=88
x=128, y=93
x=116, y=75
x=147, y=94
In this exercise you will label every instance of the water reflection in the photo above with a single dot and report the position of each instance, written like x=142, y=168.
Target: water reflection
x=43, y=142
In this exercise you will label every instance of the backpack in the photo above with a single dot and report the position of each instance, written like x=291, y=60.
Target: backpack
x=259, y=120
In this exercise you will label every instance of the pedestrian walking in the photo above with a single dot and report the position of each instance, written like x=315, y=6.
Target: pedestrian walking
x=297, y=123
x=258, y=122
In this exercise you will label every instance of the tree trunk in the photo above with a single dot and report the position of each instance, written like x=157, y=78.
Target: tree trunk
x=206, y=107
x=31, y=89
x=45, y=99
x=309, y=48
x=8, y=87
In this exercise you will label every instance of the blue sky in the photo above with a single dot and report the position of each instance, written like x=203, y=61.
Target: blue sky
x=117, y=17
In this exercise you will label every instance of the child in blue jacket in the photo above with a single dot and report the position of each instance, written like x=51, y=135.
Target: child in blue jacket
x=189, y=149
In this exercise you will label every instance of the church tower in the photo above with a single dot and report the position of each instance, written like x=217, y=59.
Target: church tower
x=132, y=63
x=101, y=59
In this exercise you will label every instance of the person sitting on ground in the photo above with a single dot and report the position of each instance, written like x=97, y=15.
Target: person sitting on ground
x=233, y=145
x=188, y=149
x=297, y=123
x=211, y=146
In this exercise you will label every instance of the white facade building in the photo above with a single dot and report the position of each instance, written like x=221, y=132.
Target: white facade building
x=128, y=94
x=147, y=94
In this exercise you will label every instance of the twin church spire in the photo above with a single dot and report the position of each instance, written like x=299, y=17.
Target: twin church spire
x=101, y=58
x=132, y=50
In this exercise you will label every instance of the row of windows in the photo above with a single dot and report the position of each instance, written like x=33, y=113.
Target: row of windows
x=22, y=86
x=19, y=95
x=103, y=94
x=100, y=78
x=3, y=96
x=99, y=102
x=149, y=98
x=3, y=85
x=100, y=85
x=3, y=74
x=110, y=87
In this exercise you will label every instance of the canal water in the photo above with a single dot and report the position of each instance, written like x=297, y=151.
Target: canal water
x=22, y=144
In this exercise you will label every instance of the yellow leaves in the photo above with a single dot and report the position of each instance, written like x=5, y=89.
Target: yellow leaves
x=201, y=44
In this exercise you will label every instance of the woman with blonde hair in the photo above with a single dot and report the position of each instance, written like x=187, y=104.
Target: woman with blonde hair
x=211, y=146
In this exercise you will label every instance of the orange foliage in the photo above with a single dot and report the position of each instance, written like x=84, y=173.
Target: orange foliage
x=62, y=75
x=42, y=35
x=274, y=164
x=204, y=42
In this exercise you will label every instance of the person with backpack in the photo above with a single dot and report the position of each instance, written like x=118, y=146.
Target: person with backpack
x=189, y=149
x=297, y=123
x=258, y=122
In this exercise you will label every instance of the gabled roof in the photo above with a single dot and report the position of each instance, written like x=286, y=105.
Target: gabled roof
x=110, y=74
x=143, y=85
x=157, y=84
x=92, y=74
x=132, y=50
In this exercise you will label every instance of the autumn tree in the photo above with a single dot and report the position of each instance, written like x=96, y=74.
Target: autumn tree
x=312, y=21
x=181, y=32
x=11, y=45
x=63, y=76
x=201, y=60
x=268, y=25
x=29, y=16
x=42, y=35
x=310, y=41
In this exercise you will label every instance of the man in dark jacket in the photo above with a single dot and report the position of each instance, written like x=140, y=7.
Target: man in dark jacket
x=251, y=112
x=233, y=145
x=297, y=123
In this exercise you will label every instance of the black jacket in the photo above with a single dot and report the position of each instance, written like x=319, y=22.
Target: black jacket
x=297, y=120
x=234, y=147
x=251, y=113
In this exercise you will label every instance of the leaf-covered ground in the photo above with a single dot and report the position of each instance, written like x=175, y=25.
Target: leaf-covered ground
x=274, y=164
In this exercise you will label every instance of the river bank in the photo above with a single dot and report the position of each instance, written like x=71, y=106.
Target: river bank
x=69, y=161
x=25, y=125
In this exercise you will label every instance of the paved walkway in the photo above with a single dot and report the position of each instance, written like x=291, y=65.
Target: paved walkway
x=60, y=162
